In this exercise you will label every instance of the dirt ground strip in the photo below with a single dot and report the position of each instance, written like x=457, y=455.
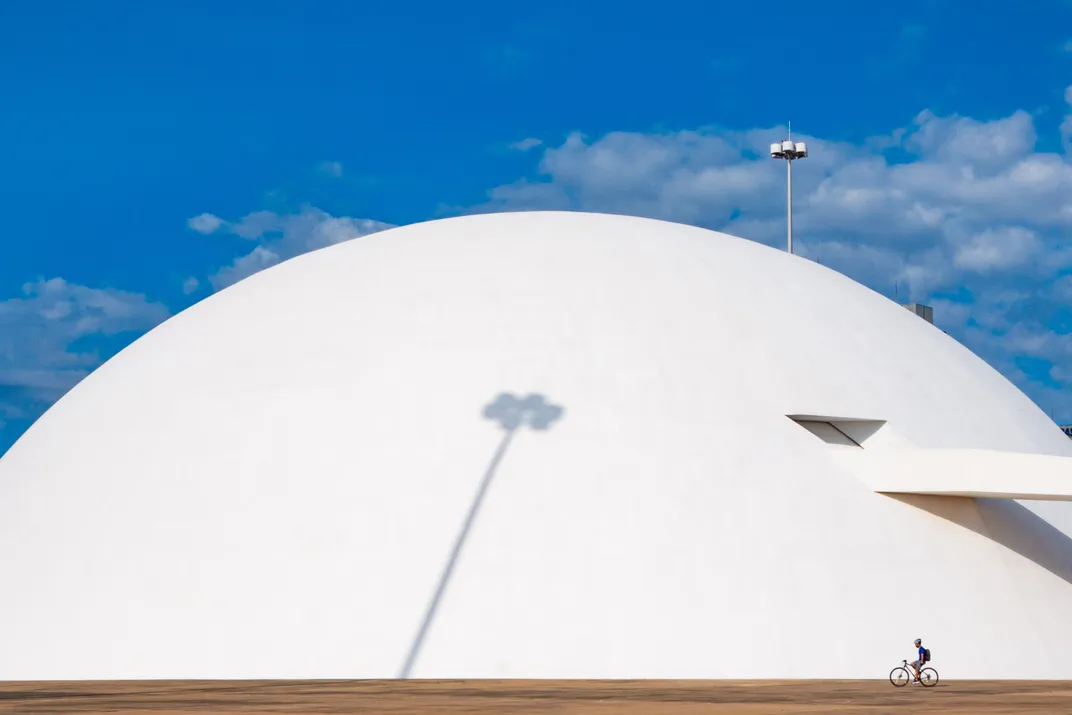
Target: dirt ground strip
x=550, y=697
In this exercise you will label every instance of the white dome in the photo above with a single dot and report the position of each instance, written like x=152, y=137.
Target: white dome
x=272, y=483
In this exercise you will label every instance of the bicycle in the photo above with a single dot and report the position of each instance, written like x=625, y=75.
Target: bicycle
x=902, y=676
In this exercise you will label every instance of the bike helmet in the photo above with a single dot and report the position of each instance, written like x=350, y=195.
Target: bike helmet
x=918, y=641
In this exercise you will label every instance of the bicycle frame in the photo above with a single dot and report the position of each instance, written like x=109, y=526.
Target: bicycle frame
x=909, y=670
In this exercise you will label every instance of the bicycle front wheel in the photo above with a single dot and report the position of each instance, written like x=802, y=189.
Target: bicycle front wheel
x=899, y=677
x=929, y=677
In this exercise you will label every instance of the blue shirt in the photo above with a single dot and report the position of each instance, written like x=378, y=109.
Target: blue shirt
x=922, y=653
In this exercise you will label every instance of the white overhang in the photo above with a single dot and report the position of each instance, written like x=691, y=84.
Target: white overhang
x=963, y=473
x=889, y=464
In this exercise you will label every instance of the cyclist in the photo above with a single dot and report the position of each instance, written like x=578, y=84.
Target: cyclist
x=921, y=658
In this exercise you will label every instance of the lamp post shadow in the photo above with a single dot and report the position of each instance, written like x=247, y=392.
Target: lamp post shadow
x=511, y=413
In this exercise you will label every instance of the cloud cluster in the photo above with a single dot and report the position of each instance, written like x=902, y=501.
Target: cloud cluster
x=277, y=237
x=56, y=332
x=526, y=144
x=50, y=338
x=963, y=213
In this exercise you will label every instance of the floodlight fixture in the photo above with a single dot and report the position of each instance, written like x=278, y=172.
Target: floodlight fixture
x=790, y=151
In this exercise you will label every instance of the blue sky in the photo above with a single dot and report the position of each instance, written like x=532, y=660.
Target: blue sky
x=287, y=127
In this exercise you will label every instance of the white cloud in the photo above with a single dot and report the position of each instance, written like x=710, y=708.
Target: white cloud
x=331, y=168
x=244, y=266
x=963, y=142
x=205, y=223
x=256, y=225
x=280, y=237
x=56, y=332
x=48, y=334
x=997, y=249
x=946, y=205
x=526, y=144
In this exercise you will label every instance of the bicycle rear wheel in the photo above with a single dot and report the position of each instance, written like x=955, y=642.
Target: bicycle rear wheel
x=929, y=677
x=899, y=677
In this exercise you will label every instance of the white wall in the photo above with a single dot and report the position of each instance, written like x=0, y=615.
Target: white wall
x=269, y=484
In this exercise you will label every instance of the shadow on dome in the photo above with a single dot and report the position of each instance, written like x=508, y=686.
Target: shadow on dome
x=1007, y=522
x=511, y=413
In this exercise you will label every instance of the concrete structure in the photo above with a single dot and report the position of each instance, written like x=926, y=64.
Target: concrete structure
x=538, y=445
x=924, y=311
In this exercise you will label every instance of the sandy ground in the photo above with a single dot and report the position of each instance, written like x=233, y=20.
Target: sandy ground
x=575, y=697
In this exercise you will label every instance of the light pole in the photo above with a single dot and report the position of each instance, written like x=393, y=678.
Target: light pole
x=789, y=150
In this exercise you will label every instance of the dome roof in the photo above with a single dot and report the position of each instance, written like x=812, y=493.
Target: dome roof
x=537, y=445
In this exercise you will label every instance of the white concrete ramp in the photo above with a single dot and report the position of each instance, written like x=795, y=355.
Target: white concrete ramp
x=885, y=460
x=963, y=473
